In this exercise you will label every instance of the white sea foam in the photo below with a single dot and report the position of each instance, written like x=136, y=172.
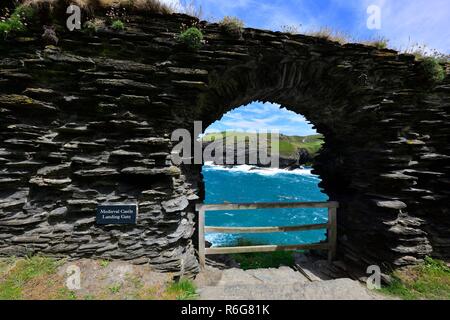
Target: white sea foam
x=218, y=239
x=228, y=214
x=244, y=168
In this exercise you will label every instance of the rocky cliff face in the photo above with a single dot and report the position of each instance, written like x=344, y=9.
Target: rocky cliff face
x=248, y=153
x=89, y=122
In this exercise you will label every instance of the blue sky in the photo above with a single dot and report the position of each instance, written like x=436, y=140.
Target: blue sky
x=403, y=22
x=259, y=117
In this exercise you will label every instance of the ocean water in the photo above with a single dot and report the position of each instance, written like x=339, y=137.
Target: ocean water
x=243, y=183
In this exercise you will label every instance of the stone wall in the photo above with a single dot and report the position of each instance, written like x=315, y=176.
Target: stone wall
x=89, y=122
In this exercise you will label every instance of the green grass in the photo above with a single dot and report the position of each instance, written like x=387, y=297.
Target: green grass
x=25, y=12
x=17, y=21
x=104, y=263
x=118, y=25
x=311, y=143
x=262, y=259
x=182, y=290
x=288, y=145
x=37, y=278
x=429, y=280
x=115, y=288
x=13, y=24
x=15, y=275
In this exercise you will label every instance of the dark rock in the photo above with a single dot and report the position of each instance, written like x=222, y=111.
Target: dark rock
x=124, y=84
x=98, y=172
x=154, y=141
x=41, y=93
x=188, y=71
x=29, y=239
x=190, y=84
x=17, y=102
x=20, y=222
x=134, y=101
x=90, y=246
x=174, y=205
x=47, y=182
x=58, y=212
x=144, y=171
x=398, y=205
x=124, y=65
x=126, y=154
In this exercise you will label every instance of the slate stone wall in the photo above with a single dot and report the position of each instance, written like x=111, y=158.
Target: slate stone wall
x=89, y=122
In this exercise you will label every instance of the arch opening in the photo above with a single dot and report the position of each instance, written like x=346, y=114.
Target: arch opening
x=244, y=180
x=338, y=104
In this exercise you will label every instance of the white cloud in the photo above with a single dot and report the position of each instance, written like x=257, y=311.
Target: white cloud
x=406, y=22
x=299, y=119
x=176, y=5
x=423, y=21
x=226, y=5
x=257, y=117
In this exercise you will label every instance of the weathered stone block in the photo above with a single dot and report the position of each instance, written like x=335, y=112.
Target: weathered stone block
x=17, y=102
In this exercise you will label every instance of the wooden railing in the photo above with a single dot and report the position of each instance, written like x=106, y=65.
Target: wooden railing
x=330, y=245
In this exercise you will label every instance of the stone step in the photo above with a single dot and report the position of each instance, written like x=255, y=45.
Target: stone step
x=339, y=289
x=238, y=277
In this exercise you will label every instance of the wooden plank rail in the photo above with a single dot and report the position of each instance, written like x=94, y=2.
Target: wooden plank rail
x=266, y=205
x=266, y=248
x=330, y=245
x=266, y=229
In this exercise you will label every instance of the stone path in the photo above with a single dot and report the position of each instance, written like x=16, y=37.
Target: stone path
x=283, y=283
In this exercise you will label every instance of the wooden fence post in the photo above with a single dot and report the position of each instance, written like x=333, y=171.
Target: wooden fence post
x=332, y=234
x=201, y=236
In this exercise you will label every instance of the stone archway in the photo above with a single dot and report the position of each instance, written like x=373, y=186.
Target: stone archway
x=85, y=123
x=363, y=104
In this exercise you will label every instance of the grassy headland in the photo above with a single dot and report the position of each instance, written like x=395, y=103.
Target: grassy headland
x=289, y=146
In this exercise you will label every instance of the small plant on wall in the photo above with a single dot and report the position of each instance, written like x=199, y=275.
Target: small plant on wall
x=432, y=69
x=117, y=17
x=291, y=28
x=118, y=25
x=232, y=25
x=15, y=22
x=431, y=62
x=191, y=37
x=92, y=26
x=379, y=43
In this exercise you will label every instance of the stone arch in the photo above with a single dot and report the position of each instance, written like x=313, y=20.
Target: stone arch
x=349, y=109
x=366, y=103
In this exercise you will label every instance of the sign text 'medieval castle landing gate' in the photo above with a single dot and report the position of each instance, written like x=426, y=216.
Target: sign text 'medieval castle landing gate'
x=117, y=214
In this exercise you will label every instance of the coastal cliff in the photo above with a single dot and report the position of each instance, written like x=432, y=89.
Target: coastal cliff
x=292, y=151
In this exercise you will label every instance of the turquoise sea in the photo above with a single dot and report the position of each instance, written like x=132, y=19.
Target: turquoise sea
x=242, y=184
